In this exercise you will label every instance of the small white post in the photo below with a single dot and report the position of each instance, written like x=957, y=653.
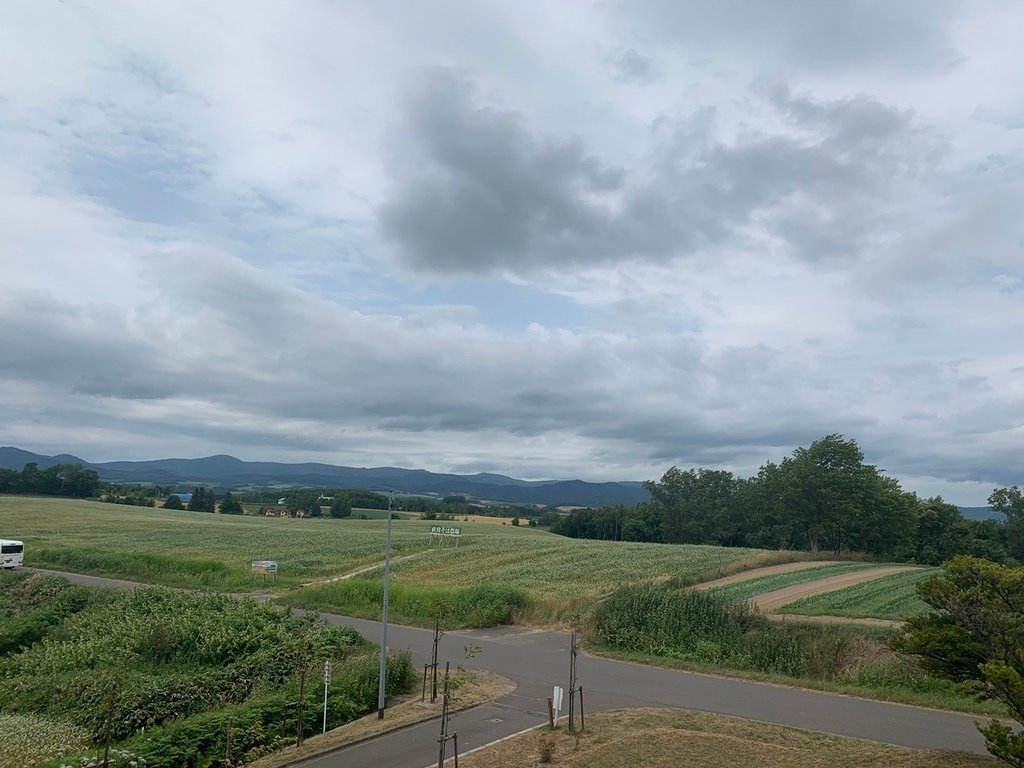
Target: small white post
x=556, y=701
x=327, y=682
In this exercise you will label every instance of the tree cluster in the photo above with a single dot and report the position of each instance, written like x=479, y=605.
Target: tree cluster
x=203, y=500
x=69, y=480
x=976, y=635
x=821, y=498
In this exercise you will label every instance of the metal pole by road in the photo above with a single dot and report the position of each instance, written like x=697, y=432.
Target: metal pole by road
x=384, y=620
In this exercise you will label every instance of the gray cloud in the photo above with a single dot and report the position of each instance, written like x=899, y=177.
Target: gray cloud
x=487, y=194
x=630, y=66
x=910, y=36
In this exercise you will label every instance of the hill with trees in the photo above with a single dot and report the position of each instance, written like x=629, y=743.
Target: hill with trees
x=821, y=498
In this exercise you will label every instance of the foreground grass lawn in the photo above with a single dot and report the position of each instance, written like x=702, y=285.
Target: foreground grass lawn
x=663, y=738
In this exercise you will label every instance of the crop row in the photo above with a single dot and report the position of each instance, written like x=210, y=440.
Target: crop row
x=745, y=590
x=890, y=597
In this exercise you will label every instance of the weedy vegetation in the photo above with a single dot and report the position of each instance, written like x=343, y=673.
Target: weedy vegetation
x=167, y=672
x=701, y=630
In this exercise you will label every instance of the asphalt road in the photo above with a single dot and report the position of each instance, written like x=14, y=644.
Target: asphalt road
x=539, y=659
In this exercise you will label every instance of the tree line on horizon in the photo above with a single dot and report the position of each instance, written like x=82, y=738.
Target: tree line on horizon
x=68, y=480
x=823, y=498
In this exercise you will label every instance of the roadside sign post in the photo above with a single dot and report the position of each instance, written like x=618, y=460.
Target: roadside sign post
x=556, y=701
x=327, y=682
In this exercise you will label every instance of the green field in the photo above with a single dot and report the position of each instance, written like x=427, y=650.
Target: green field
x=201, y=550
x=745, y=590
x=891, y=597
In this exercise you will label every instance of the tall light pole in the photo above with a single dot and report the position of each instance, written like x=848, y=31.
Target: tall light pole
x=384, y=620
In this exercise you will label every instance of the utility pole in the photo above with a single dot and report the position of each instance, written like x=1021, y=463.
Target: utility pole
x=384, y=620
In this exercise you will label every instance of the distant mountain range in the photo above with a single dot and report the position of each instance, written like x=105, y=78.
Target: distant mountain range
x=981, y=513
x=229, y=472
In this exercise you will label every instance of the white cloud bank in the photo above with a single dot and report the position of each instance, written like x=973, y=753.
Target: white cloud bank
x=306, y=231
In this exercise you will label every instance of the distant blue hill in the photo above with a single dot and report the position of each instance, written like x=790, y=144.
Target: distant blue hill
x=981, y=513
x=229, y=472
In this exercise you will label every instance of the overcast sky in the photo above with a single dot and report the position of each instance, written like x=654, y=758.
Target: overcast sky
x=573, y=239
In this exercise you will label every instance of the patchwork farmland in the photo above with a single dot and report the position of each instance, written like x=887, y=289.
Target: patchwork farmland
x=200, y=550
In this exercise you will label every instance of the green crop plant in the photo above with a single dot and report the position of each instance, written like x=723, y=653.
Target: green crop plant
x=890, y=597
x=745, y=590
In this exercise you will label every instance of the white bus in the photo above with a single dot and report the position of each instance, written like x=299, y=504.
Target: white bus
x=12, y=553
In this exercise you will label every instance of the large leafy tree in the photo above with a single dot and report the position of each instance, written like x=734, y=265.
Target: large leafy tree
x=694, y=505
x=230, y=505
x=1010, y=501
x=941, y=532
x=203, y=500
x=832, y=500
x=976, y=635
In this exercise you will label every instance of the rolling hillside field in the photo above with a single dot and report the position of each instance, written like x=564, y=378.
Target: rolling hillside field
x=201, y=550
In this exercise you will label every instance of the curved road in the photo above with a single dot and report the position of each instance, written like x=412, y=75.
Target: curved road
x=539, y=659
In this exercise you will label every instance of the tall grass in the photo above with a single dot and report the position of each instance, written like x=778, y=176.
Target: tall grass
x=483, y=605
x=697, y=626
x=150, y=567
x=705, y=631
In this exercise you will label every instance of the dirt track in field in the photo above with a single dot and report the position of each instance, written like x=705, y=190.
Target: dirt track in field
x=771, y=601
